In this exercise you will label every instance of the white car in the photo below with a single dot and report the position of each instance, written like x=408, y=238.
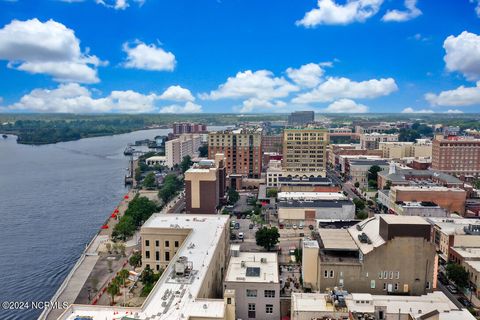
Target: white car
x=294, y=226
x=240, y=236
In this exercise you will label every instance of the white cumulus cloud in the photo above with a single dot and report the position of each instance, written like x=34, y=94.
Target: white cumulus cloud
x=329, y=12
x=254, y=104
x=453, y=111
x=463, y=54
x=188, y=107
x=47, y=48
x=461, y=96
x=336, y=88
x=148, y=57
x=410, y=13
x=261, y=84
x=177, y=93
x=309, y=75
x=74, y=98
x=411, y=110
x=477, y=7
x=346, y=106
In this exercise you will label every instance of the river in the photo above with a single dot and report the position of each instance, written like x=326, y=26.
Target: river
x=53, y=199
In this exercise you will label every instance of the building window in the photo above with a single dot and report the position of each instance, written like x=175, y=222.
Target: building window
x=385, y=274
x=380, y=275
x=229, y=300
x=428, y=285
x=397, y=276
x=251, y=310
x=167, y=256
x=147, y=254
x=325, y=274
x=332, y=273
x=176, y=244
x=269, y=308
x=167, y=243
x=269, y=293
x=147, y=243
x=252, y=293
x=396, y=286
x=391, y=274
x=157, y=267
x=157, y=255
x=384, y=286
x=372, y=284
x=157, y=243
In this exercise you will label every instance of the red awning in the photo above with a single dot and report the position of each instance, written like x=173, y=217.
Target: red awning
x=126, y=197
x=105, y=226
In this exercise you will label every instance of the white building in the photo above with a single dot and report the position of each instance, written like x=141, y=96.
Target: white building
x=254, y=277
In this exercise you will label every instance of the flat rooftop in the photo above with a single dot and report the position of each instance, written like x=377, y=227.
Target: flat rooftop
x=311, y=196
x=311, y=302
x=173, y=298
x=259, y=267
x=394, y=219
x=467, y=253
x=314, y=203
x=371, y=227
x=337, y=239
x=421, y=188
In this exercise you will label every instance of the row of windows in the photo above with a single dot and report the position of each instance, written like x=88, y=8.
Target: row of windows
x=157, y=255
x=252, y=308
x=252, y=293
x=386, y=274
x=157, y=243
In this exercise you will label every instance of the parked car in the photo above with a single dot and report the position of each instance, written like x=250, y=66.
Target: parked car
x=281, y=226
x=250, y=226
x=288, y=226
x=311, y=227
x=300, y=226
x=237, y=225
x=240, y=236
x=294, y=226
x=452, y=289
x=464, y=301
x=248, y=216
x=233, y=236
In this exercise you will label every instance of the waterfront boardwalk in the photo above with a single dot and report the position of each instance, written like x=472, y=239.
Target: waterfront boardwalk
x=75, y=281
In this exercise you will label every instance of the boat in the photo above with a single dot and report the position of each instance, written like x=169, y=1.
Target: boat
x=128, y=151
x=4, y=136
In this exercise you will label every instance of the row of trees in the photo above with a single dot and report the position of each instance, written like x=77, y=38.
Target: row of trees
x=170, y=188
x=139, y=210
x=119, y=281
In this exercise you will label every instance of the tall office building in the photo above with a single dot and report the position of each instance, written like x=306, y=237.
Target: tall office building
x=242, y=149
x=456, y=155
x=299, y=118
x=305, y=151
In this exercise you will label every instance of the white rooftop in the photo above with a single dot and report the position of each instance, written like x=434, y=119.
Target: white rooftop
x=311, y=302
x=419, y=188
x=337, y=239
x=173, y=298
x=371, y=227
x=468, y=253
x=253, y=267
x=311, y=196
x=473, y=264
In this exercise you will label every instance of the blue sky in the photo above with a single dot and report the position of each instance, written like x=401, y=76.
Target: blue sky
x=239, y=56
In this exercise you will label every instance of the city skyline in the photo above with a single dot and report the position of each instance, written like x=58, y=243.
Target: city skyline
x=217, y=56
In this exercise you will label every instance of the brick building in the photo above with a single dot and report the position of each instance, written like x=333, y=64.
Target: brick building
x=188, y=127
x=456, y=155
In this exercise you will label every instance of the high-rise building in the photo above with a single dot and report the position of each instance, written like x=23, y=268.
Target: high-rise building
x=205, y=186
x=176, y=149
x=300, y=118
x=188, y=127
x=242, y=149
x=456, y=155
x=305, y=151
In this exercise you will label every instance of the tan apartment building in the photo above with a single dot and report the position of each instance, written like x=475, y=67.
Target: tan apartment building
x=191, y=285
x=399, y=150
x=371, y=141
x=242, y=149
x=205, y=185
x=254, y=278
x=305, y=151
x=459, y=156
x=385, y=254
x=451, y=199
x=176, y=149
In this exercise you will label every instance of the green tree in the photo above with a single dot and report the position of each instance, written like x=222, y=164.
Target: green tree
x=298, y=255
x=272, y=193
x=170, y=187
x=359, y=204
x=135, y=259
x=148, y=276
x=150, y=181
x=373, y=175
x=203, y=151
x=233, y=196
x=457, y=274
x=388, y=185
x=186, y=163
x=267, y=237
x=357, y=184
x=123, y=274
x=113, y=289
x=138, y=174
x=124, y=229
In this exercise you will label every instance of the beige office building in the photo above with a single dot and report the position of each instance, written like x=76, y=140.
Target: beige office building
x=385, y=254
x=399, y=150
x=372, y=141
x=305, y=151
